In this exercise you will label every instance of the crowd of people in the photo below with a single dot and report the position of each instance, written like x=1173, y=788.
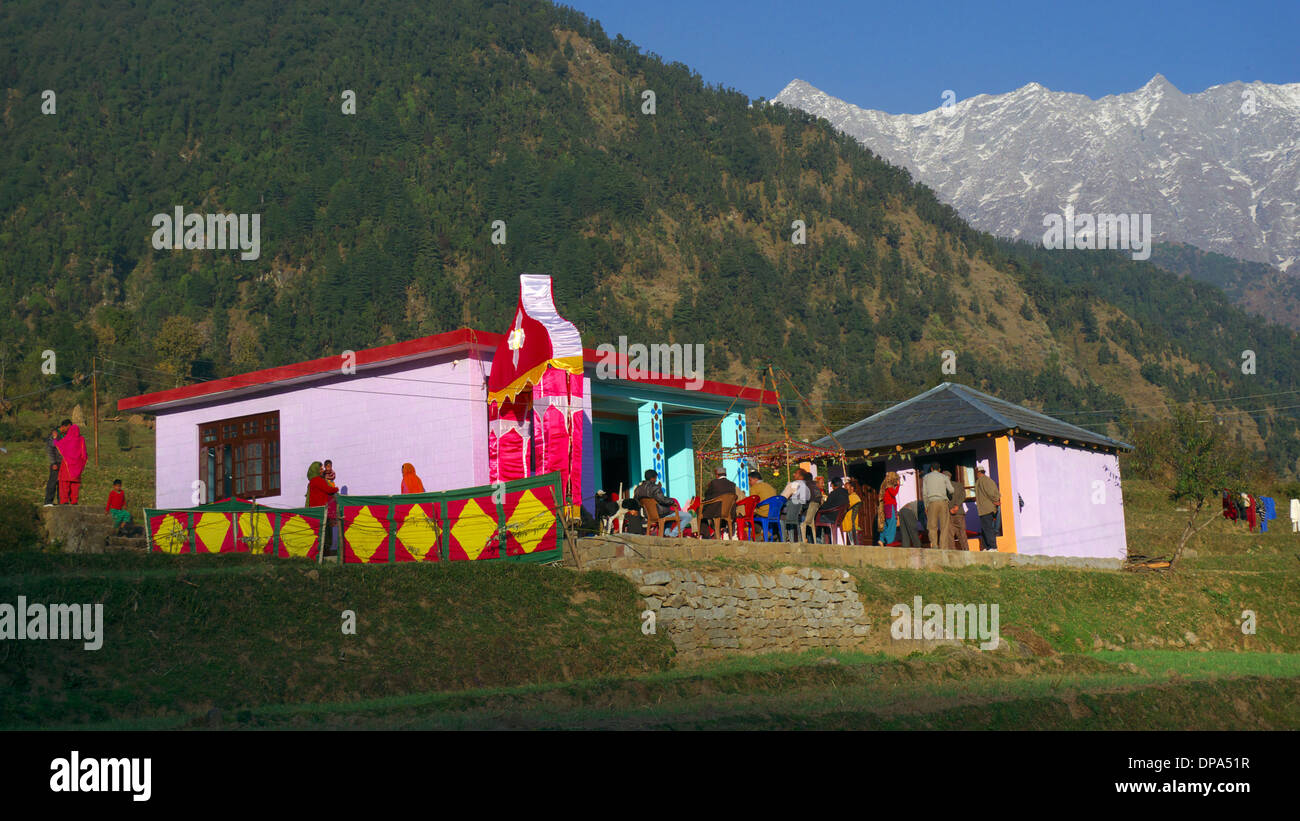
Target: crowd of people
x=810, y=508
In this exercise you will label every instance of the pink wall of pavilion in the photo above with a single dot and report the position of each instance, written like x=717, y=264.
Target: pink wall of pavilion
x=1064, y=513
x=1074, y=505
x=367, y=423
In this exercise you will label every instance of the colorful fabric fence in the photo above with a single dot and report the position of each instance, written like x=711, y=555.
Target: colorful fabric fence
x=237, y=526
x=515, y=521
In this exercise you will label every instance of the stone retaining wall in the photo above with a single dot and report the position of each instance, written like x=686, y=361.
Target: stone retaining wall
x=713, y=613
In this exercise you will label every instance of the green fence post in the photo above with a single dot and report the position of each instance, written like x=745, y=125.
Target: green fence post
x=444, y=536
x=392, y=534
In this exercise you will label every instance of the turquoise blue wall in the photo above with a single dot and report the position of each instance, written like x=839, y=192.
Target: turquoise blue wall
x=678, y=473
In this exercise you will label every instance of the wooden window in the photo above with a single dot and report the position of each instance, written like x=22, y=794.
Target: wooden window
x=241, y=457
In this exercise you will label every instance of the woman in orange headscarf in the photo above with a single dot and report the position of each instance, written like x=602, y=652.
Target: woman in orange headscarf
x=410, y=482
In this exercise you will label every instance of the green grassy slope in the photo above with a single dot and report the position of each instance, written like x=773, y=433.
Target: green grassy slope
x=186, y=634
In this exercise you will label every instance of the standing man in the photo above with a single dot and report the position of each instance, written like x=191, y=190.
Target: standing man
x=909, y=532
x=56, y=459
x=987, y=501
x=957, y=516
x=936, y=490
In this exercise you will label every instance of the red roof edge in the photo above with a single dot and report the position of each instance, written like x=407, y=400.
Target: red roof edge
x=370, y=356
x=756, y=395
x=463, y=337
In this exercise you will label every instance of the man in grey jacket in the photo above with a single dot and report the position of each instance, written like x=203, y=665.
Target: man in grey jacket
x=55, y=459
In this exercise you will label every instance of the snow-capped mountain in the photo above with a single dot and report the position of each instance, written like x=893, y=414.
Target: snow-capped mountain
x=1219, y=170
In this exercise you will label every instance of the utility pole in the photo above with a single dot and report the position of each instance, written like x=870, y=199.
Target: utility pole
x=94, y=389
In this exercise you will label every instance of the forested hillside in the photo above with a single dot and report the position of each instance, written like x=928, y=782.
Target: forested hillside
x=665, y=226
x=1260, y=289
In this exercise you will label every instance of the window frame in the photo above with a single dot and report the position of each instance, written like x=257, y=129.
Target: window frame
x=238, y=433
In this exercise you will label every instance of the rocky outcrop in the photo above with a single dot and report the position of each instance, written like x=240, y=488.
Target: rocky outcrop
x=85, y=529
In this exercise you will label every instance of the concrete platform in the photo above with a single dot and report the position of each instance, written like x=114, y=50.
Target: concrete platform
x=607, y=552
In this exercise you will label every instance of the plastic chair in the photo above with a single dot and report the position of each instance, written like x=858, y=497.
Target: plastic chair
x=744, y=517
x=809, y=520
x=726, y=503
x=829, y=518
x=650, y=510
x=614, y=522
x=771, y=523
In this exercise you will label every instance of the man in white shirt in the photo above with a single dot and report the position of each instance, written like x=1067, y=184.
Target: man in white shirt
x=798, y=494
x=936, y=491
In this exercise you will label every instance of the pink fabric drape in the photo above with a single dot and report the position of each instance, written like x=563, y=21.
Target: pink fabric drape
x=73, y=448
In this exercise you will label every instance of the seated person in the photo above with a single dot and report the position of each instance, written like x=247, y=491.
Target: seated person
x=605, y=506
x=685, y=518
x=719, y=486
x=651, y=489
x=835, y=506
x=762, y=490
x=116, y=505
x=838, y=498
x=798, y=493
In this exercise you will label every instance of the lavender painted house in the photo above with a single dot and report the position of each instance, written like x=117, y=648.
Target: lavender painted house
x=423, y=401
x=1059, y=483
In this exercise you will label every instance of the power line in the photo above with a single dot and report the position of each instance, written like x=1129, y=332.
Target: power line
x=34, y=393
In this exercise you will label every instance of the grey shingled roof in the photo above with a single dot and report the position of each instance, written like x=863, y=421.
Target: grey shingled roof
x=950, y=410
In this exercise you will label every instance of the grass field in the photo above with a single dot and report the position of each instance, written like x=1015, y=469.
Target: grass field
x=952, y=688
x=24, y=468
x=260, y=641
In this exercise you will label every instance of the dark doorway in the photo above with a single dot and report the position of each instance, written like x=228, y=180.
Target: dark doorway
x=960, y=465
x=868, y=475
x=615, y=467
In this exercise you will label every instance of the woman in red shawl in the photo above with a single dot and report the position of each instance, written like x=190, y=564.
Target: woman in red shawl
x=410, y=482
x=73, y=448
x=319, y=489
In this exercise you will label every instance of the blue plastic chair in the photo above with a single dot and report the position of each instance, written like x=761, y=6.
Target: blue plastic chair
x=771, y=523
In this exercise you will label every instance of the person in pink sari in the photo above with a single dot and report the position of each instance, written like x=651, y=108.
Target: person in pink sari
x=73, y=448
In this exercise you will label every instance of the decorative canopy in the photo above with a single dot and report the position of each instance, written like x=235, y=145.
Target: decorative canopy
x=539, y=338
x=772, y=454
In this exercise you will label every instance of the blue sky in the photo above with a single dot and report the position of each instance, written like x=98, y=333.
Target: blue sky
x=900, y=56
